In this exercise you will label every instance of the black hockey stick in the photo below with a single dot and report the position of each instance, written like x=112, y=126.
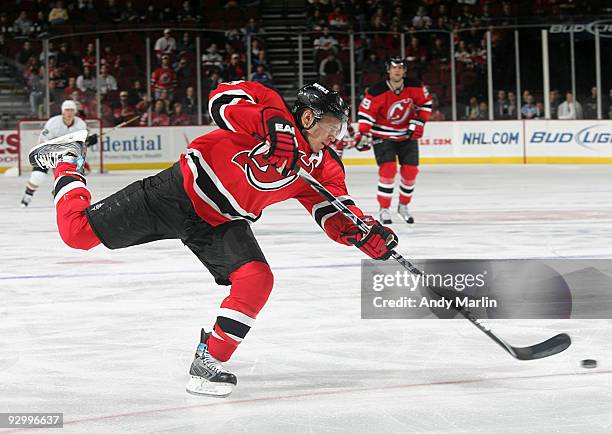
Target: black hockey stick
x=549, y=347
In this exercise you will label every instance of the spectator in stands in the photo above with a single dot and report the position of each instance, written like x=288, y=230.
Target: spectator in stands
x=211, y=58
x=421, y=20
x=260, y=60
x=185, y=45
x=189, y=102
x=236, y=69
x=164, y=97
x=108, y=83
x=89, y=59
x=64, y=56
x=58, y=15
x=472, y=111
x=123, y=111
x=609, y=104
x=512, y=111
x=23, y=26
x=151, y=15
x=76, y=97
x=483, y=111
x=526, y=94
x=25, y=53
x=86, y=82
x=416, y=54
x=252, y=28
x=570, y=109
x=37, y=91
x=393, y=40
x=540, y=112
x=4, y=48
x=110, y=59
x=6, y=28
x=142, y=106
x=330, y=66
x=463, y=55
x=40, y=25
x=440, y=51
x=262, y=76
x=111, y=13
x=159, y=116
x=52, y=52
x=163, y=77
x=186, y=14
x=316, y=22
x=179, y=117
x=590, y=105
x=129, y=14
x=555, y=100
x=213, y=80
x=501, y=106
x=166, y=45
x=326, y=42
x=182, y=70
x=373, y=64
x=378, y=23
x=529, y=109
x=70, y=87
x=136, y=92
x=338, y=19
x=436, y=114
x=57, y=73
x=258, y=54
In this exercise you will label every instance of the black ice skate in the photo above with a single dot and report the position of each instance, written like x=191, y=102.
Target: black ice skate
x=403, y=212
x=69, y=148
x=208, y=376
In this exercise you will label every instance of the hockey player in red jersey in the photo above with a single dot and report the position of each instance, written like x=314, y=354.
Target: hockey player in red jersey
x=392, y=117
x=211, y=195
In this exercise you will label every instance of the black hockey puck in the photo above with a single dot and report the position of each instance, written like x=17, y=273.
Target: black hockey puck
x=589, y=363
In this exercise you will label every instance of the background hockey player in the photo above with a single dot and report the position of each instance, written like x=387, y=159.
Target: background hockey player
x=209, y=198
x=392, y=117
x=56, y=126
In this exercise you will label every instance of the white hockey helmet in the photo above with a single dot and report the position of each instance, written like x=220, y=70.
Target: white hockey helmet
x=69, y=105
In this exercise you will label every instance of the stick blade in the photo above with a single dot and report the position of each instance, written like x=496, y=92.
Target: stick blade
x=549, y=347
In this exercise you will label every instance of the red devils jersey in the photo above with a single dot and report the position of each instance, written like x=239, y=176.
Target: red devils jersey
x=227, y=178
x=385, y=113
x=163, y=78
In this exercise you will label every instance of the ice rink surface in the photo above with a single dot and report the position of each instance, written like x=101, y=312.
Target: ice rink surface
x=106, y=337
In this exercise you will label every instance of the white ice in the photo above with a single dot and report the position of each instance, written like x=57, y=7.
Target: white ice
x=106, y=337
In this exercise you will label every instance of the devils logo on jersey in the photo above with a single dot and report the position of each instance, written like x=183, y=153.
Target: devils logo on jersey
x=262, y=175
x=400, y=110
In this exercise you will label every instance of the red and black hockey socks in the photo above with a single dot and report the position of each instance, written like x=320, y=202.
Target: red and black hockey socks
x=408, y=178
x=386, y=182
x=251, y=286
x=71, y=199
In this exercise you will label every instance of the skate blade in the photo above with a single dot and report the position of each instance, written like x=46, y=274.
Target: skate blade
x=409, y=220
x=202, y=387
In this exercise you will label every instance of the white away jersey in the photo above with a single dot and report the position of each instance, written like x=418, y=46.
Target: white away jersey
x=55, y=127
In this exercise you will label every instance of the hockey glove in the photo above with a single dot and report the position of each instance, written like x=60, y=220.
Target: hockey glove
x=91, y=140
x=415, y=129
x=283, y=153
x=377, y=243
x=362, y=142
